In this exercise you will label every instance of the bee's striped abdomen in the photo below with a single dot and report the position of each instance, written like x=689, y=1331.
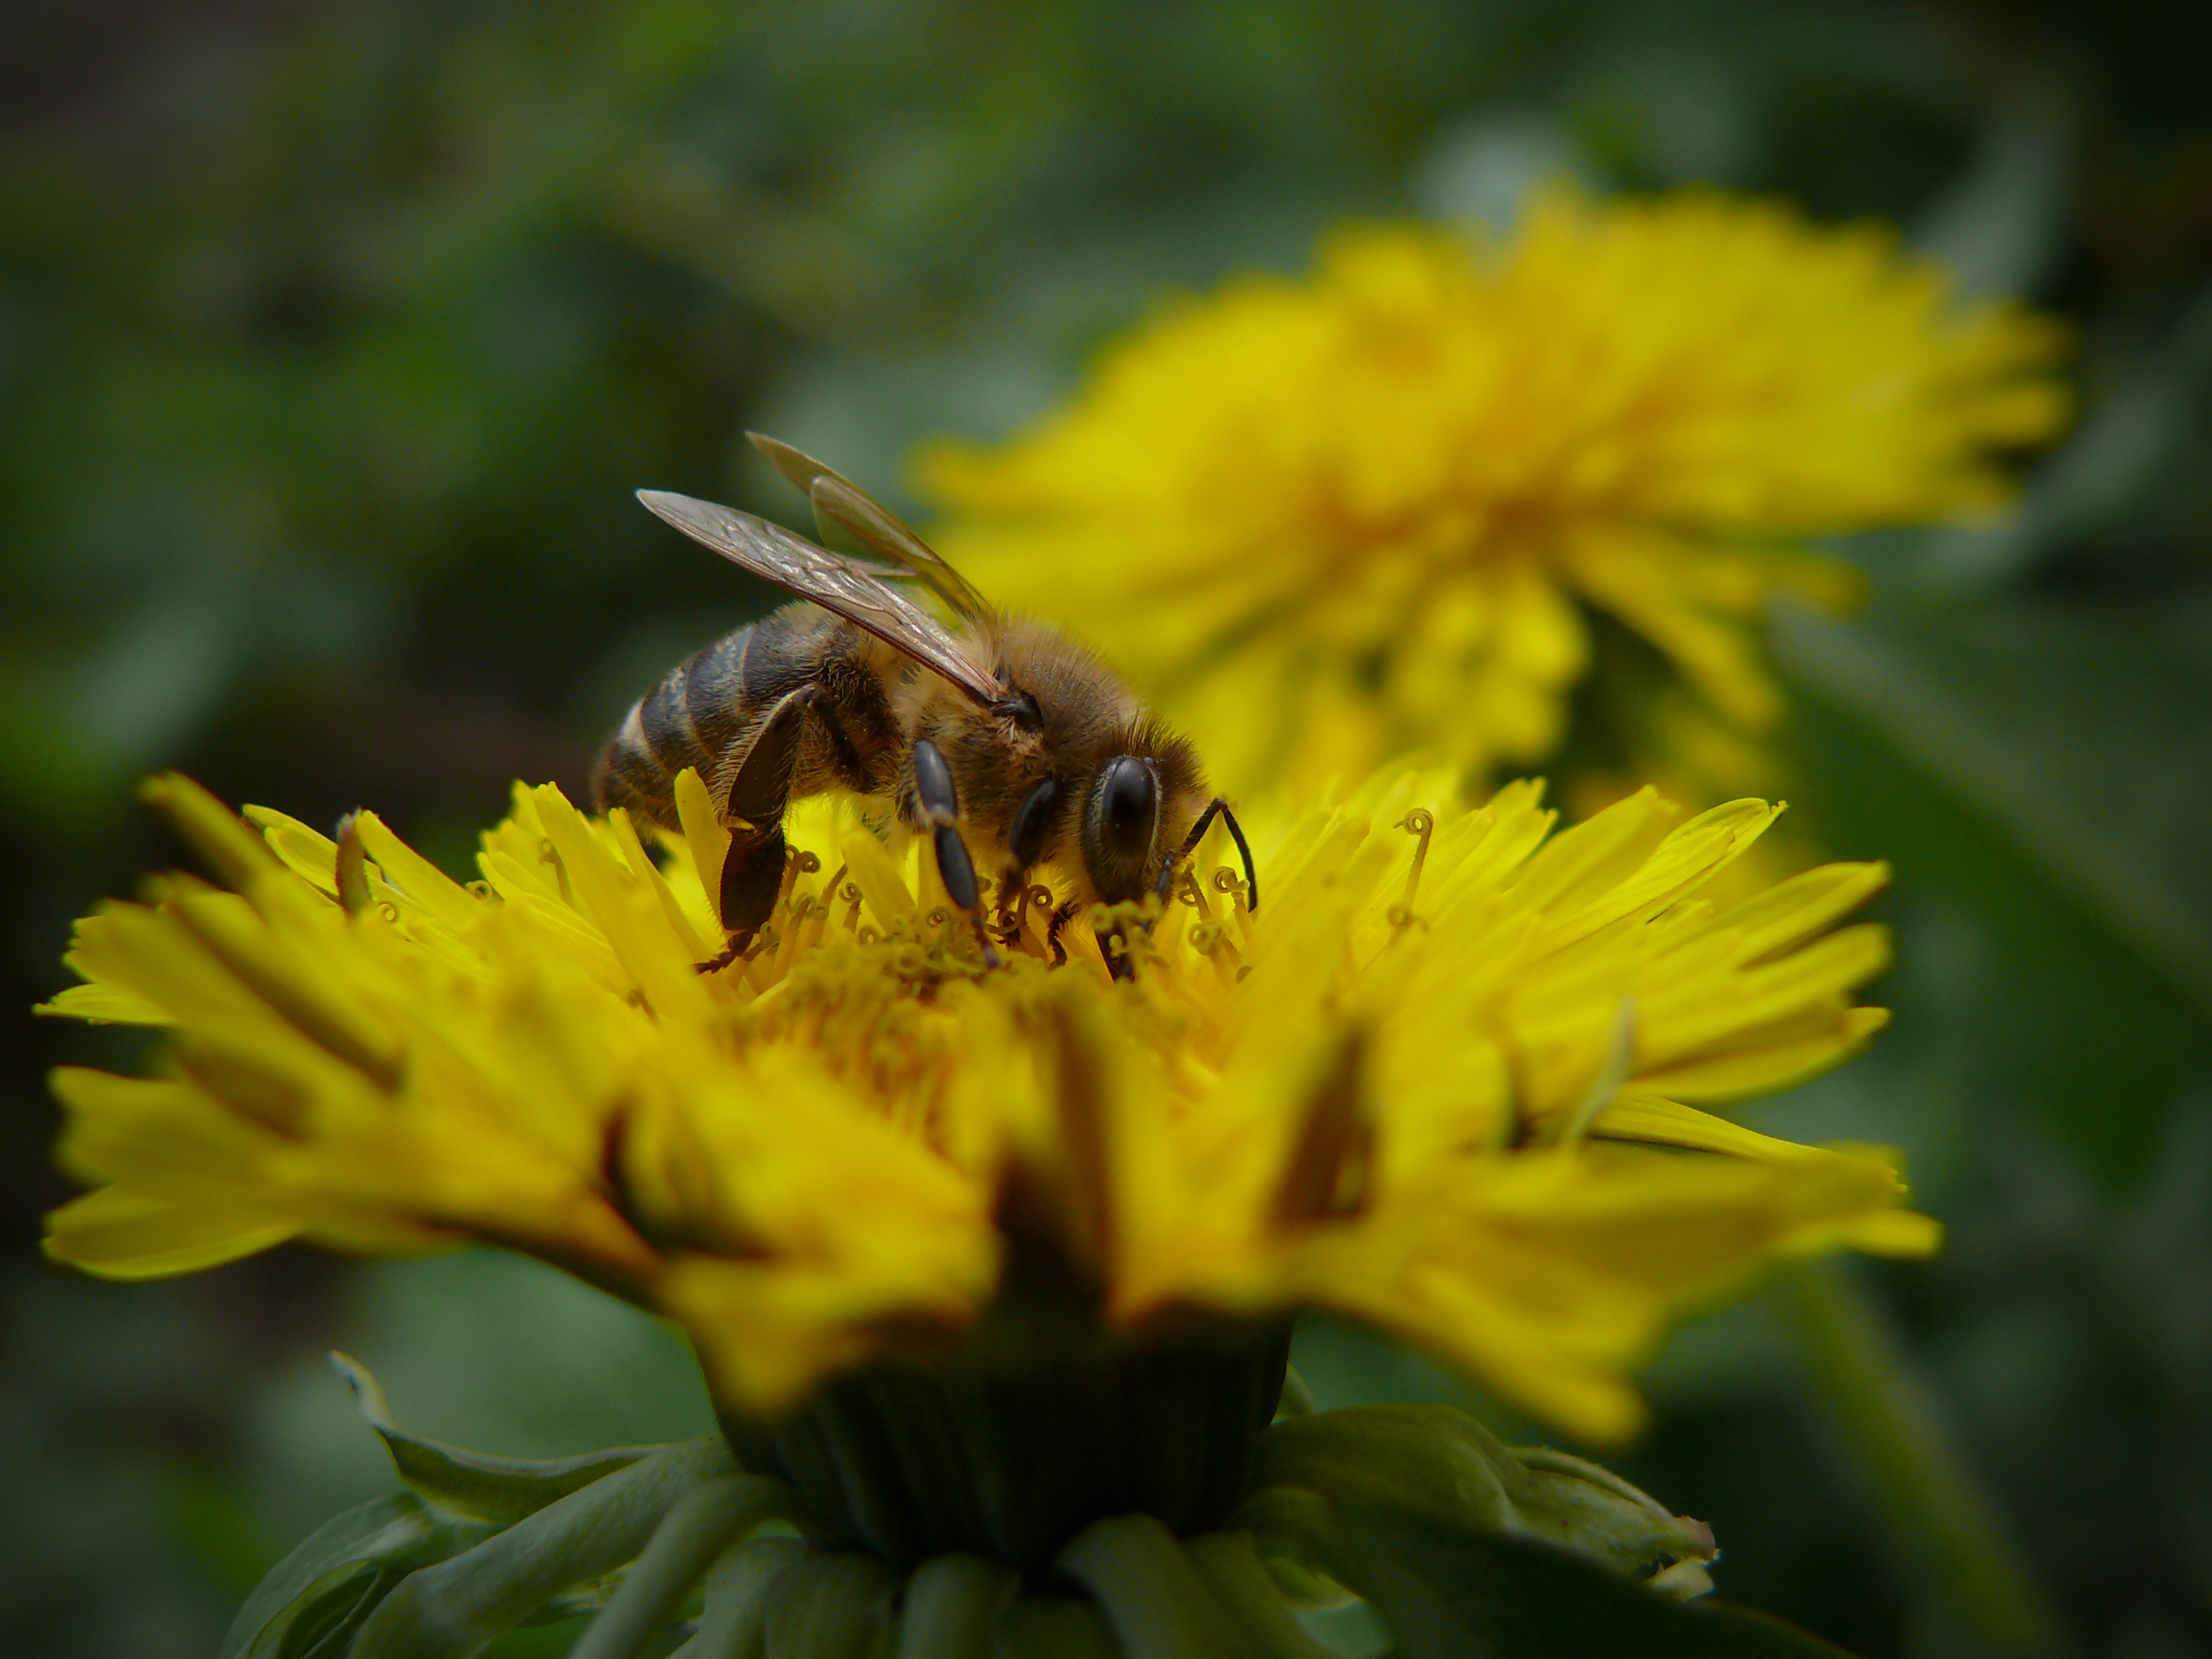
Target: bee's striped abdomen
x=704, y=713
x=693, y=715
x=714, y=693
x=706, y=709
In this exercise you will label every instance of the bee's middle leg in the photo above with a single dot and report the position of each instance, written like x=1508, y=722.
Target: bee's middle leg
x=941, y=810
x=1025, y=840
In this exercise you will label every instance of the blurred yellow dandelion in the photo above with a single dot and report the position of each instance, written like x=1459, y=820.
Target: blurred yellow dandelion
x=1367, y=513
x=1451, y=1081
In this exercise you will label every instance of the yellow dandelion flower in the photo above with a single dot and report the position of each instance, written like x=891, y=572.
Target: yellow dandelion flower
x=1445, y=1082
x=1367, y=513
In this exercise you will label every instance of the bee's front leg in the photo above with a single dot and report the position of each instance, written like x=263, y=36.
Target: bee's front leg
x=940, y=803
x=1025, y=840
x=1012, y=892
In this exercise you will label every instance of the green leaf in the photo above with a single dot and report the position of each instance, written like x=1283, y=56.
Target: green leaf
x=315, y=1600
x=1231, y=1565
x=950, y=1603
x=466, y=1483
x=2001, y=226
x=1295, y=1531
x=840, y=1604
x=324, y=1617
x=1159, y=1605
x=1440, y=1461
x=451, y=1609
x=334, y=1581
x=1047, y=1626
x=739, y=1592
x=702, y=1527
x=2028, y=713
x=1452, y=1593
x=1989, y=758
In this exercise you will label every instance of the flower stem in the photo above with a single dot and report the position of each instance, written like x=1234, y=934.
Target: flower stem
x=1946, y=1524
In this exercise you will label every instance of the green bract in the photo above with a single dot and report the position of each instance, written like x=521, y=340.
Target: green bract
x=1461, y=1544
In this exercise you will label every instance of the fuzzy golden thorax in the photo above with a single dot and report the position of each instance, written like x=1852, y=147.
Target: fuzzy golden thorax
x=1086, y=718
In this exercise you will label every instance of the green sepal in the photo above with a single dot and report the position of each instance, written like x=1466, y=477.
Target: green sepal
x=1439, y=1462
x=705, y=1524
x=739, y=1588
x=589, y=1597
x=313, y=1600
x=452, y=1608
x=1047, y=1626
x=472, y=1483
x=1294, y=1531
x=1232, y=1570
x=1154, y=1596
x=950, y=1603
x=321, y=1622
x=838, y=1604
x=1447, y=1592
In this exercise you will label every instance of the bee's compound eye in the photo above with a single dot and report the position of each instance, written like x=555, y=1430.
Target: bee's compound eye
x=1126, y=807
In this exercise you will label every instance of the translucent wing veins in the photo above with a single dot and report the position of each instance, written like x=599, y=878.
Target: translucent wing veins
x=860, y=595
x=841, y=505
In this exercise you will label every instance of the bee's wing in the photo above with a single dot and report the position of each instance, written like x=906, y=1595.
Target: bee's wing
x=840, y=502
x=858, y=595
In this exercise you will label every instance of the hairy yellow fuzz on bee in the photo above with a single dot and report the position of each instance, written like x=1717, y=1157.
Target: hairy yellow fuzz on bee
x=1451, y=1080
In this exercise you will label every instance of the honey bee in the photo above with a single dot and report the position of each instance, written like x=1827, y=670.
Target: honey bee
x=1001, y=730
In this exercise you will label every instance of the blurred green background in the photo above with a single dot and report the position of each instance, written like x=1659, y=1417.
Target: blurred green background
x=333, y=338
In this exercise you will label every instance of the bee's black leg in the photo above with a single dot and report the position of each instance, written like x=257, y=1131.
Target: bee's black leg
x=1198, y=833
x=1113, y=945
x=1032, y=824
x=739, y=945
x=752, y=870
x=1060, y=918
x=1025, y=843
x=941, y=810
x=959, y=873
x=752, y=878
x=935, y=800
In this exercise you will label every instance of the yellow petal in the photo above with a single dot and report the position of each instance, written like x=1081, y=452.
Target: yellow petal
x=119, y=1234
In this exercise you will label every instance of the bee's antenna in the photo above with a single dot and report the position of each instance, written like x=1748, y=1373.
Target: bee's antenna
x=1198, y=833
x=1244, y=852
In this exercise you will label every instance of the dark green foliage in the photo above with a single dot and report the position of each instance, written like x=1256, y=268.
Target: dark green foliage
x=1451, y=1594
x=315, y=1599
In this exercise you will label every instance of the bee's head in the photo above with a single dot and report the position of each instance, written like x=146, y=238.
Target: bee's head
x=1108, y=783
x=1138, y=801
x=1120, y=831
